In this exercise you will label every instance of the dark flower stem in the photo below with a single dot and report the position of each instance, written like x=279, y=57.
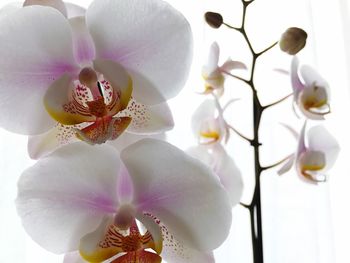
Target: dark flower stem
x=254, y=207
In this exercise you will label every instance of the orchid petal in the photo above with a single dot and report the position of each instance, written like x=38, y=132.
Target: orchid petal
x=213, y=60
x=73, y=257
x=57, y=100
x=312, y=77
x=175, y=252
x=152, y=225
x=319, y=139
x=127, y=139
x=180, y=191
x=286, y=166
x=148, y=120
x=231, y=64
x=309, y=166
x=224, y=166
x=84, y=48
x=74, y=10
x=56, y=214
x=9, y=9
x=27, y=71
x=90, y=248
x=119, y=79
x=301, y=141
x=310, y=115
x=297, y=85
x=156, y=49
x=43, y=144
x=206, y=110
x=57, y=4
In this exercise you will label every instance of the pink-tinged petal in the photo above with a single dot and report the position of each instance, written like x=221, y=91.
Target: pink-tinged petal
x=212, y=61
x=73, y=257
x=152, y=225
x=301, y=141
x=74, y=10
x=57, y=4
x=90, y=248
x=231, y=64
x=286, y=166
x=179, y=190
x=156, y=48
x=65, y=195
x=44, y=144
x=176, y=252
x=319, y=139
x=57, y=101
x=224, y=167
x=31, y=59
x=148, y=120
x=84, y=48
x=127, y=138
x=311, y=77
x=119, y=79
x=297, y=85
x=205, y=111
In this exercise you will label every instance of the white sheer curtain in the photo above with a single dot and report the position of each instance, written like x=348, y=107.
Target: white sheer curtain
x=302, y=223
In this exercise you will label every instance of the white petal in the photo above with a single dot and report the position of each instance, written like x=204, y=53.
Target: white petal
x=206, y=110
x=84, y=48
x=44, y=144
x=213, y=60
x=37, y=50
x=311, y=76
x=57, y=4
x=287, y=166
x=180, y=191
x=224, y=166
x=301, y=141
x=148, y=120
x=319, y=139
x=176, y=252
x=74, y=10
x=156, y=48
x=73, y=257
x=231, y=64
x=9, y=9
x=65, y=195
x=297, y=85
x=127, y=138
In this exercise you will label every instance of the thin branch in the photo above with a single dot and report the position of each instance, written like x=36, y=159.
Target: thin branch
x=232, y=27
x=240, y=134
x=245, y=205
x=277, y=102
x=234, y=76
x=276, y=164
x=267, y=49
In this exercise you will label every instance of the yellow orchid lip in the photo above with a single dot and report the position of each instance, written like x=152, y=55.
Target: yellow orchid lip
x=116, y=241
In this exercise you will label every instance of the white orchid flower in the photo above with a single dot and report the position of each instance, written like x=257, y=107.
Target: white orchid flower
x=311, y=95
x=316, y=154
x=223, y=166
x=88, y=198
x=208, y=124
x=213, y=74
x=96, y=73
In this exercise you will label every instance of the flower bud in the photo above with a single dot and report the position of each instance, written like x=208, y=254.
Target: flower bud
x=214, y=20
x=293, y=40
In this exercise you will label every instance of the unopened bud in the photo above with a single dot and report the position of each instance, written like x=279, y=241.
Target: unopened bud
x=214, y=20
x=293, y=40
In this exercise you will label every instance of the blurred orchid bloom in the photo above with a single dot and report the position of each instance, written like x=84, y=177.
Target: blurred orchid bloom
x=223, y=166
x=213, y=74
x=316, y=154
x=96, y=73
x=312, y=96
x=208, y=124
x=90, y=199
